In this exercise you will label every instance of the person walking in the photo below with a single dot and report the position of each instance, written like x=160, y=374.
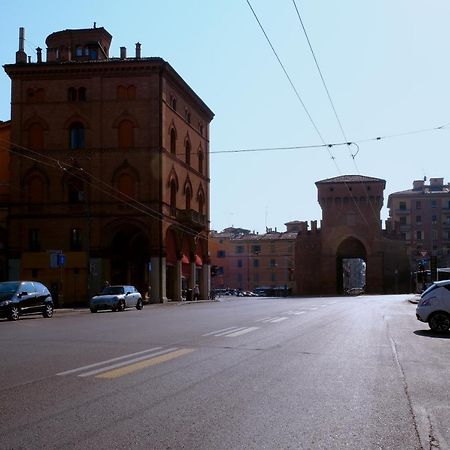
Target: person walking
x=196, y=292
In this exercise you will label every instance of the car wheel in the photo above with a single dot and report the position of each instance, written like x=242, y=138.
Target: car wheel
x=93, y=310
x=14, y=313
x=48, y=311
x=139, y=304
x=121, y=306
x=439, y=322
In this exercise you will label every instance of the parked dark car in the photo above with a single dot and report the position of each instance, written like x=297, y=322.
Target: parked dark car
x=24, y=297
x=116, y=298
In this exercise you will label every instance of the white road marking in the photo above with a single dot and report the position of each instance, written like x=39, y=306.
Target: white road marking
x=219, y=331
x=234, y=330
x=79, y=369
x=126, y=363
x=279, y=319
x=244, y=331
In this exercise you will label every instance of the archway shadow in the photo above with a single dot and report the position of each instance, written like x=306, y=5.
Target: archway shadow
x=432, y=334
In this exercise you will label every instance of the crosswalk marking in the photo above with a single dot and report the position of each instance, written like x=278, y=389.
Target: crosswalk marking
x=115, y=373
x=231, y=331
x=244, y=331
x=90, y=366
x=125, y=363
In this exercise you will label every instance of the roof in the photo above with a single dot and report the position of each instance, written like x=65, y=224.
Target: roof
x=351, y=179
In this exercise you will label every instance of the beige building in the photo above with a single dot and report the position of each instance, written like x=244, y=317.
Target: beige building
x=422, y=217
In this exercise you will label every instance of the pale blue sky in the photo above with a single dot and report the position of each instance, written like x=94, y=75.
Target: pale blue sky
x=386, y=64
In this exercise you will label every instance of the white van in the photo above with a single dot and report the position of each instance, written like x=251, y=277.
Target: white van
x=434, y=306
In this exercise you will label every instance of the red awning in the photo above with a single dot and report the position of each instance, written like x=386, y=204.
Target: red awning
x=198, y=261
x=184, y=259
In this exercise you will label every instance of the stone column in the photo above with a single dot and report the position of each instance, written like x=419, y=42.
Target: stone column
x=178, y=274
x=158, y=280
x=205, y=286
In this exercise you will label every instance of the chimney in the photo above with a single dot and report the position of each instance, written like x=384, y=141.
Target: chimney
x=39, y=54
x=138, y=50
x=21, y=56
x=123, y=52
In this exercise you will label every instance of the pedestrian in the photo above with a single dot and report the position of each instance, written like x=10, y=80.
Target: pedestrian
x=196, y=292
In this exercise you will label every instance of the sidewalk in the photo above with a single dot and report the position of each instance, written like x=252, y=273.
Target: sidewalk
x=414, y=298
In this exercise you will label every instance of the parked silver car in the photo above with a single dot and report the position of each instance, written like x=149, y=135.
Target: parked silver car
x=117, y=298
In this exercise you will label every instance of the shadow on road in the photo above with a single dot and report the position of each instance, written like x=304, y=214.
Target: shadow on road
x=432, y=334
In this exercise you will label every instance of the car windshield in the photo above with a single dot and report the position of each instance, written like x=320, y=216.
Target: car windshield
x=8, y=287
x=113, y=290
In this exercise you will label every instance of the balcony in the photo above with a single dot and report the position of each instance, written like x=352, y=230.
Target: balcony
x=191, y=218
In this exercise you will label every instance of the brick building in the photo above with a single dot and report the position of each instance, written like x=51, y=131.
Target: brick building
x=248, y=260
x=422, y=217
x=110, y=168
x=350, y=232
x=5, y=133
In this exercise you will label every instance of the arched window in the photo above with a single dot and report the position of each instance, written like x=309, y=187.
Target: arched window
x=187, y=151
x=200, y=160
x=173, y=141
x=72, y=94
x=36, y=136
x=82, y=94
x=173, y=198
x=126, y=134
x=201, y=203
x=131, y=92
x=121, y=92
x=35, y=189
x=188, y=195
x=126, y=185
x=76, y=136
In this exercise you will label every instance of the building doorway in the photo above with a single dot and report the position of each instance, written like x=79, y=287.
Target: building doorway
x=129, y=258
x=351, y=266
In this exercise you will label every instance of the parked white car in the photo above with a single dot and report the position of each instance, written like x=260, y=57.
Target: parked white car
x=434, y=306
x=117, y=298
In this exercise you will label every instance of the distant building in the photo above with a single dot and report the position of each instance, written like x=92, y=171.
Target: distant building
x=421, y=216
x=110, y=170
x=349, y=249
x=246, y=260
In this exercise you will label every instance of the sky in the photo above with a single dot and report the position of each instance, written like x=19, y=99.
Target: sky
x=386, y=65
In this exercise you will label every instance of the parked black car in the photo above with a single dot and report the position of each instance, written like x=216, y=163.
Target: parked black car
x=24, y=297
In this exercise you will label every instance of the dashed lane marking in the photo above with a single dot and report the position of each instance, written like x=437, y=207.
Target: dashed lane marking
x=231, y=331
x=244, y=331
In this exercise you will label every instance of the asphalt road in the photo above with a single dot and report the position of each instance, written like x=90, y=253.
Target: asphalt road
x=298, y=373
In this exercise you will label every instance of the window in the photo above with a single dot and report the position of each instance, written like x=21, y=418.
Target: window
x=76, y=135
x=33, y=240
x=256, y=263
x=221, y=253
x=273, y=263
x=75, y=191
x=434, y=235
x=126, y=185
x=273, y=277
x=256, y=249
x=200, y=160
x=79, y=50
x=125, y=134
x=239, y=262
x=36, y=136
x=72, y=94
x=187, y=116
x=188, y=195
x=187, y=150
x=173, y=141
x=35, y=191
x=403, y=220
x=448, y=220
x=402, y=206
x=121, y=92
x=419, y=235
x=173, y=103
x=239, y=249
x=82, y=94
x=434, y=219
x=131, y=92
x=418, y=204
x=418, y=220
x=75, y=239
x=201, y=203
x=173, y=198
x=433, y=203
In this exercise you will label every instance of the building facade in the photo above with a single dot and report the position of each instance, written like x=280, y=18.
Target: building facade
x=245, y=260
x=422, y=217
x=350, y=246
x=5, y=137
x=109, y=171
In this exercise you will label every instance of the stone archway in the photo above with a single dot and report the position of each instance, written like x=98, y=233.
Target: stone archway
x=129, y=258
x=351, y=260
